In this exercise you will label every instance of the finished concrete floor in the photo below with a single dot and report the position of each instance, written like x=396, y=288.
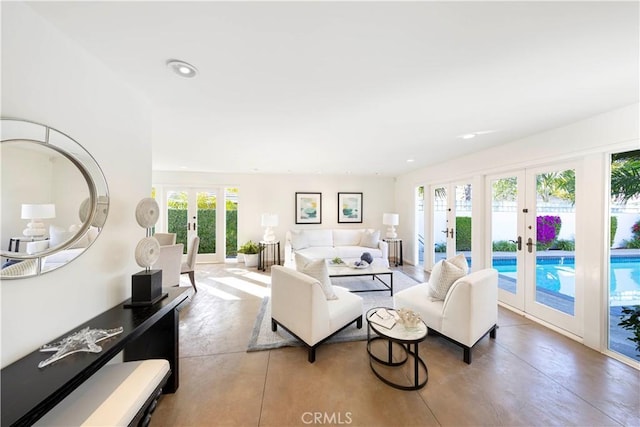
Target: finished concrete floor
x=528, y=376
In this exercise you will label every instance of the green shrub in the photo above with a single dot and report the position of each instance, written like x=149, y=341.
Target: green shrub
x=504, y=246
x=565, y=245
x=613, y=227
x=440, y=247
x=463, y=233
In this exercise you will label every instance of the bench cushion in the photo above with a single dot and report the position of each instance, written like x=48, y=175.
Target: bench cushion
x=112, y=396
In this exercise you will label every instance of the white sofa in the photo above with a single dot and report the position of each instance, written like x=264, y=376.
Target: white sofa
x=347, y=244
x=468, y=313
x=299, y=305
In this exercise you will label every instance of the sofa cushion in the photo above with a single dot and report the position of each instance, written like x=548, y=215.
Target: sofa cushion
x=370, y=238
x=443, y=275
x=326, y=252
x=299, y=240
x=316, y=268
x=319, y=237
x=342, y=237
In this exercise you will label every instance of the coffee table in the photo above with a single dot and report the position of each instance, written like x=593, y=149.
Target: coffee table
x=403, y=338
x=374, y=270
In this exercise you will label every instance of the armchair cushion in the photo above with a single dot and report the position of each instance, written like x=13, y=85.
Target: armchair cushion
x=317, y=268
x=443, y=275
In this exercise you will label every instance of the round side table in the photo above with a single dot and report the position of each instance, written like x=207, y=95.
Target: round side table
x=402, y=338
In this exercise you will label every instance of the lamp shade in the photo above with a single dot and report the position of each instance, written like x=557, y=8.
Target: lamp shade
x=41, y=211
x=390, y=219
x=269, y=220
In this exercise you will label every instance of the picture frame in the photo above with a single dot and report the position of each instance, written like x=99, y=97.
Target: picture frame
x=308, y=208
x=349, y=208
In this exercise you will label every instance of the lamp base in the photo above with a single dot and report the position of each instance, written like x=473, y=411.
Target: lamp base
x=146, y=289
x=391, y=233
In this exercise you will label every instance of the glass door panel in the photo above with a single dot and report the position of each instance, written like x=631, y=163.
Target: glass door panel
x=624, y=252
x=177, y=215
x=451, y=230
x=462, y=228
x=550, y=290
x=507, y=229
x=205, y=220
x=555, y=240
x=440, y=231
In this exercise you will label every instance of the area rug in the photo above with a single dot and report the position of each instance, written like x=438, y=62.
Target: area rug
x=262, y=338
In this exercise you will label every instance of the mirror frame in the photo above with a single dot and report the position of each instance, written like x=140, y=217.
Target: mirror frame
x=18, y=130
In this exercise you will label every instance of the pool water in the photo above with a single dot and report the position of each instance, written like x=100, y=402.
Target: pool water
x=557, y=275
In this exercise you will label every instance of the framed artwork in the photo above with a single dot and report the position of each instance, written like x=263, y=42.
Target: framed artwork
x=349, y=207
x=308, y=208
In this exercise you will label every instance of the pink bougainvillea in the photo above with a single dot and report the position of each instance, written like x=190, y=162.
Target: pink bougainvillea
x=548, y=228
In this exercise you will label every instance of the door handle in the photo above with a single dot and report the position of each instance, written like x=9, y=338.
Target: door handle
x=451, y=233
x=530, y=245
x=518, y=242
x=189, y=226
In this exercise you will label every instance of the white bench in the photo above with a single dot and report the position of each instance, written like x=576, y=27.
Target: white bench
x=122, y=394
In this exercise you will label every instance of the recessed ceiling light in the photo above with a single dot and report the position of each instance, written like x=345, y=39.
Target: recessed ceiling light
x=410, y=160
x=181, y=68
x=474, y=134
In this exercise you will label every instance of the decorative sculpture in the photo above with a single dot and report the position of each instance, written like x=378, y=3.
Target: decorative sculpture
x=83, y=340
x=146, y=286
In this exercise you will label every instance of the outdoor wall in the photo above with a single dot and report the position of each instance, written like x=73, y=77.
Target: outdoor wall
x=48, y=78
x=265, y=193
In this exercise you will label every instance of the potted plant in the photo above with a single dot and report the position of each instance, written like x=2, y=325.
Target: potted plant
x=630, y=320
x=250, y=252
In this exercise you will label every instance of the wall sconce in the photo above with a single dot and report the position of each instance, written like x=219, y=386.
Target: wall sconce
x=391, y=220
x=36, y=213
x=269, y=221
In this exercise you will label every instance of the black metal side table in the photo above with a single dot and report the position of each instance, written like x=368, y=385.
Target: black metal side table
x=402, y=338
x=395, y=251
x=268, y=254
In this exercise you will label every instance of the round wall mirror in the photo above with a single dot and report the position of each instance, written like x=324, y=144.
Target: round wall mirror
x=54, y=196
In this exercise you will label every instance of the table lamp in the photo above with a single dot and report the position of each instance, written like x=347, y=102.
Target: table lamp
x=391, y=220
x=36, y=213
x=269, y=221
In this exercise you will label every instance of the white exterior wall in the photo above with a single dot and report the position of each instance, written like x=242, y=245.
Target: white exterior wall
x=48, y=78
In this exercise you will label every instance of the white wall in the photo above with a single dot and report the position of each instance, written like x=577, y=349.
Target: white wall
x=48, y=78
x=261, y=193
x=587, y=142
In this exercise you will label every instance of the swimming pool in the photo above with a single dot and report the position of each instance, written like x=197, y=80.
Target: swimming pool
x=556, y=275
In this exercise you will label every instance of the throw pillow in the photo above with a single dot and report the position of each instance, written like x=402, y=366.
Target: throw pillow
x=370, y=238
x=298, y=240
x=443, y=275
x=317, y=269
x=460, y=261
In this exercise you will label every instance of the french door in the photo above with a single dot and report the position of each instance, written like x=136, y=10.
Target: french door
x=533, y=243
x=193, y=211
x=451, y=220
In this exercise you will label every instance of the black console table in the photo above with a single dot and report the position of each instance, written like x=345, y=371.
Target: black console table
x=29, y=392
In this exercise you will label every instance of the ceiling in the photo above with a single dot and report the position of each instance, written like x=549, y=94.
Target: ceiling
x=357, y=87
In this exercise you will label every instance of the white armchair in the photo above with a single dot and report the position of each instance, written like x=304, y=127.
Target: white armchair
x=468, y=313
x=169, y=262
x=299, y=306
